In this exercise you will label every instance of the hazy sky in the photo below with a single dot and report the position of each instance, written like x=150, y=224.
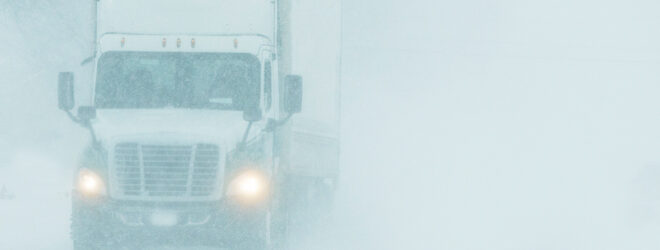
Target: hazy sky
x=501, y=124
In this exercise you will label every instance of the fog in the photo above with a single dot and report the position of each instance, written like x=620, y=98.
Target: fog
x=465, y=125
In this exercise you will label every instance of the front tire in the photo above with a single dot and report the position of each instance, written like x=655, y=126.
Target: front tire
x=254, y=234
x=86, y=231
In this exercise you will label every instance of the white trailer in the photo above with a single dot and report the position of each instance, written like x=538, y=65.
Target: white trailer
x=190, y=106
x=315, y=51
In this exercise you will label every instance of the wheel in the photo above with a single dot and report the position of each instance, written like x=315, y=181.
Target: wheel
x=320, y=197
x=310, y=199
x=86, y=234
x=279, y=229
x=305, y=208
x=254, y=234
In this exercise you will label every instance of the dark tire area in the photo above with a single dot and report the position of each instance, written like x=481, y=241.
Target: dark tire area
x=252, y=233
x=85, y=228
x=308, y=199
x=306, y=205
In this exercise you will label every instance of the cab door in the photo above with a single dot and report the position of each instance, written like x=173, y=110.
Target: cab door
x=269, y=86
x=268, y=102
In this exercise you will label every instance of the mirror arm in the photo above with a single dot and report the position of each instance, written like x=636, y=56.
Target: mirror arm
x=74, y=118
x=88, y=59
x=84, y=124
x=243, y=143
x=272, y=124
x=92, y=133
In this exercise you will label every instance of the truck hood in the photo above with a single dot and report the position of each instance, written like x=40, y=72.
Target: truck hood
x=219, y=126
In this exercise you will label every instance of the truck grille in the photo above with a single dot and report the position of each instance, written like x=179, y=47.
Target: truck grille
x=166, y=170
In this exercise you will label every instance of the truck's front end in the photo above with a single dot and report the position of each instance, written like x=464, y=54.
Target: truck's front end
x=173, y=157
x=182, y=128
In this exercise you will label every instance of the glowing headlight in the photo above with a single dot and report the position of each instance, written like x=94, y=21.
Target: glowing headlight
x=90, y=184
x=250, y=185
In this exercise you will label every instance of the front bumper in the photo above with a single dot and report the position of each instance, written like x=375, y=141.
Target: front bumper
x=204, y=223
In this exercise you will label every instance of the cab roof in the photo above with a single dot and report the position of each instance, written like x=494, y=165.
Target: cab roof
x=187, y=17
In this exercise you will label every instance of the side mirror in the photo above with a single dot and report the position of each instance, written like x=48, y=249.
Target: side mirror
x=65, y=91
x=86, y=113
x=293, y=94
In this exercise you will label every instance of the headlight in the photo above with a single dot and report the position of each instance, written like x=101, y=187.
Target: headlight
x=249, y=185
x=90, y=183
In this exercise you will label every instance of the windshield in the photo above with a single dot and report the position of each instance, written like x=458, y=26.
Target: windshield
x=147, y=80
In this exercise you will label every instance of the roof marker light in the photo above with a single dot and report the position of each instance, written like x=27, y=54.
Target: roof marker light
x=164, y=42
x=178, y=42
x=192, y=43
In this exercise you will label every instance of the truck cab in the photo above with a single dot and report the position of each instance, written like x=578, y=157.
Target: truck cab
x=186, y=108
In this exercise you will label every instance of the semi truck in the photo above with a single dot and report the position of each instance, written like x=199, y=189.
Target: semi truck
x=201, y=129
